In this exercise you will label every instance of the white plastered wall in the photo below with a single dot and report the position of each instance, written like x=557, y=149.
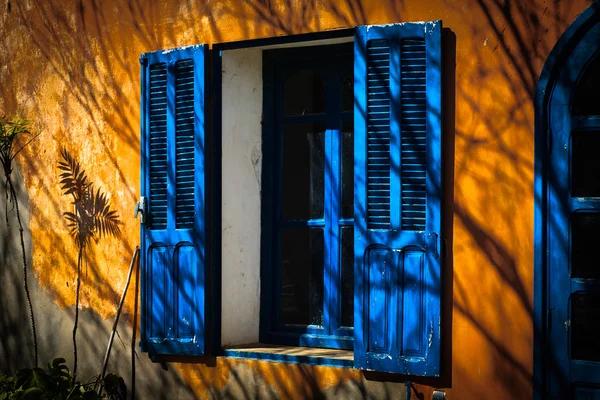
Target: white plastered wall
x=241, y=163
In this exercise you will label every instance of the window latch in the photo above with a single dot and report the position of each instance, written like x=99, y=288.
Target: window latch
x=433, y=239
x=141, y=207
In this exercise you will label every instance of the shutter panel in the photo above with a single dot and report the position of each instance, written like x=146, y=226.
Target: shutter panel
x=397, y=198
x=173, y=180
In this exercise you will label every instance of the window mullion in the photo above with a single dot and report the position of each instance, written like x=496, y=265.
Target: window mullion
x=332, y=303
x=327, y=286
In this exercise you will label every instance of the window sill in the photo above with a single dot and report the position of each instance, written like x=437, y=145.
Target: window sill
x=292, y=354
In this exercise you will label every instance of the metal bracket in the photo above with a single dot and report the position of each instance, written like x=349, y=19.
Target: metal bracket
x=141, y=207
x=435, y=241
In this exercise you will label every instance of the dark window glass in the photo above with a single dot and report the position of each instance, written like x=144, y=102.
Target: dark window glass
x=348, y=169
x=348, y=92
x=585, y=258
x=587, y=94
x=586, y=164
x=303, y=171
x=302, y=255
x=583, y=392
x=313, y=169
x=348, y=276
x=585, y=321
x=304, y=93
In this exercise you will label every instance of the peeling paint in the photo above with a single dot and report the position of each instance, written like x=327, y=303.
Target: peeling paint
x=194, y=46
x=430, y=336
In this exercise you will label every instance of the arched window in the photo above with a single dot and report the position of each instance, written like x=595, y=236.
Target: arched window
x=567, y=292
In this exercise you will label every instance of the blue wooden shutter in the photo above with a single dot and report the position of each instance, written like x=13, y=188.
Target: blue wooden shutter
x=397, y=198
x=173, y=180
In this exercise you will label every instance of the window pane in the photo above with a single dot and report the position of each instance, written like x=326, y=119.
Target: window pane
x=348, y=276
x=348, y=169
x=585, y=258
x=348, y=91
x=302, y=256
x=587, y=94
x=304, y=93
x=586, y=164
x=585, y=320
x=303, y=171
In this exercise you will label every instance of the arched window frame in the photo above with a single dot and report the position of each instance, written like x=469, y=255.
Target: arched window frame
x=552, y=87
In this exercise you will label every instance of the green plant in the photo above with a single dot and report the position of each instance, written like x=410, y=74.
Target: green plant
x=57, y=383
x=10, y=134
x=91, y=220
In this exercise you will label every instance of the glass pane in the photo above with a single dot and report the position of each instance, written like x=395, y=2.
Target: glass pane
x=587, y=94
x=303, y=175
x=585, y=258
x=348, y=169
x=586, y=164
x=302, y=266
x=304, y=93
x=348, y=91
x=348, y=276
x=585, y=320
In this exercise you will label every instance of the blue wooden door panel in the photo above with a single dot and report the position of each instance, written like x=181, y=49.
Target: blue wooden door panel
x=397, y=197
x=380, y=262
x=173, y=180
x=188, y=303
x=413, y=332
x=158, y=268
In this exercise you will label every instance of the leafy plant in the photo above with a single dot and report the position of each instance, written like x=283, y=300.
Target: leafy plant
x=57, y=383
x=91, y=220
x=10, y=135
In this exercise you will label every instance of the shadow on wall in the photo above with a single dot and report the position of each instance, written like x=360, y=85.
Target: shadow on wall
x=55, y=324
x=85, y=57
x=16, y=346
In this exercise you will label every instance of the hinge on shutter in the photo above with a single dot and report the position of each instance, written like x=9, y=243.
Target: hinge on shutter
x=549, y=140
x=141, y=207
x=433, y=242
x=144, y=61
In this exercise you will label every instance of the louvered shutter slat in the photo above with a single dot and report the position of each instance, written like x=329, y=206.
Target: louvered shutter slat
x=378, y=131
x=413, y=125
x=184, y=100
x=158, y=145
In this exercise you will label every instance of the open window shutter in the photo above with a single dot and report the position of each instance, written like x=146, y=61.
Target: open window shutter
x=397, y=198
x=173, y=181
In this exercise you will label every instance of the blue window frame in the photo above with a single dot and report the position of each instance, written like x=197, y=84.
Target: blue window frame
x=308, y=145
x=351, y=186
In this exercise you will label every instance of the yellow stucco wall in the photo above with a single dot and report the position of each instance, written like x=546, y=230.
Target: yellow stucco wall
x=72, y=67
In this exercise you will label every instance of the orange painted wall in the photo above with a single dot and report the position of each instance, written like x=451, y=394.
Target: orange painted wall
x=72, y=67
